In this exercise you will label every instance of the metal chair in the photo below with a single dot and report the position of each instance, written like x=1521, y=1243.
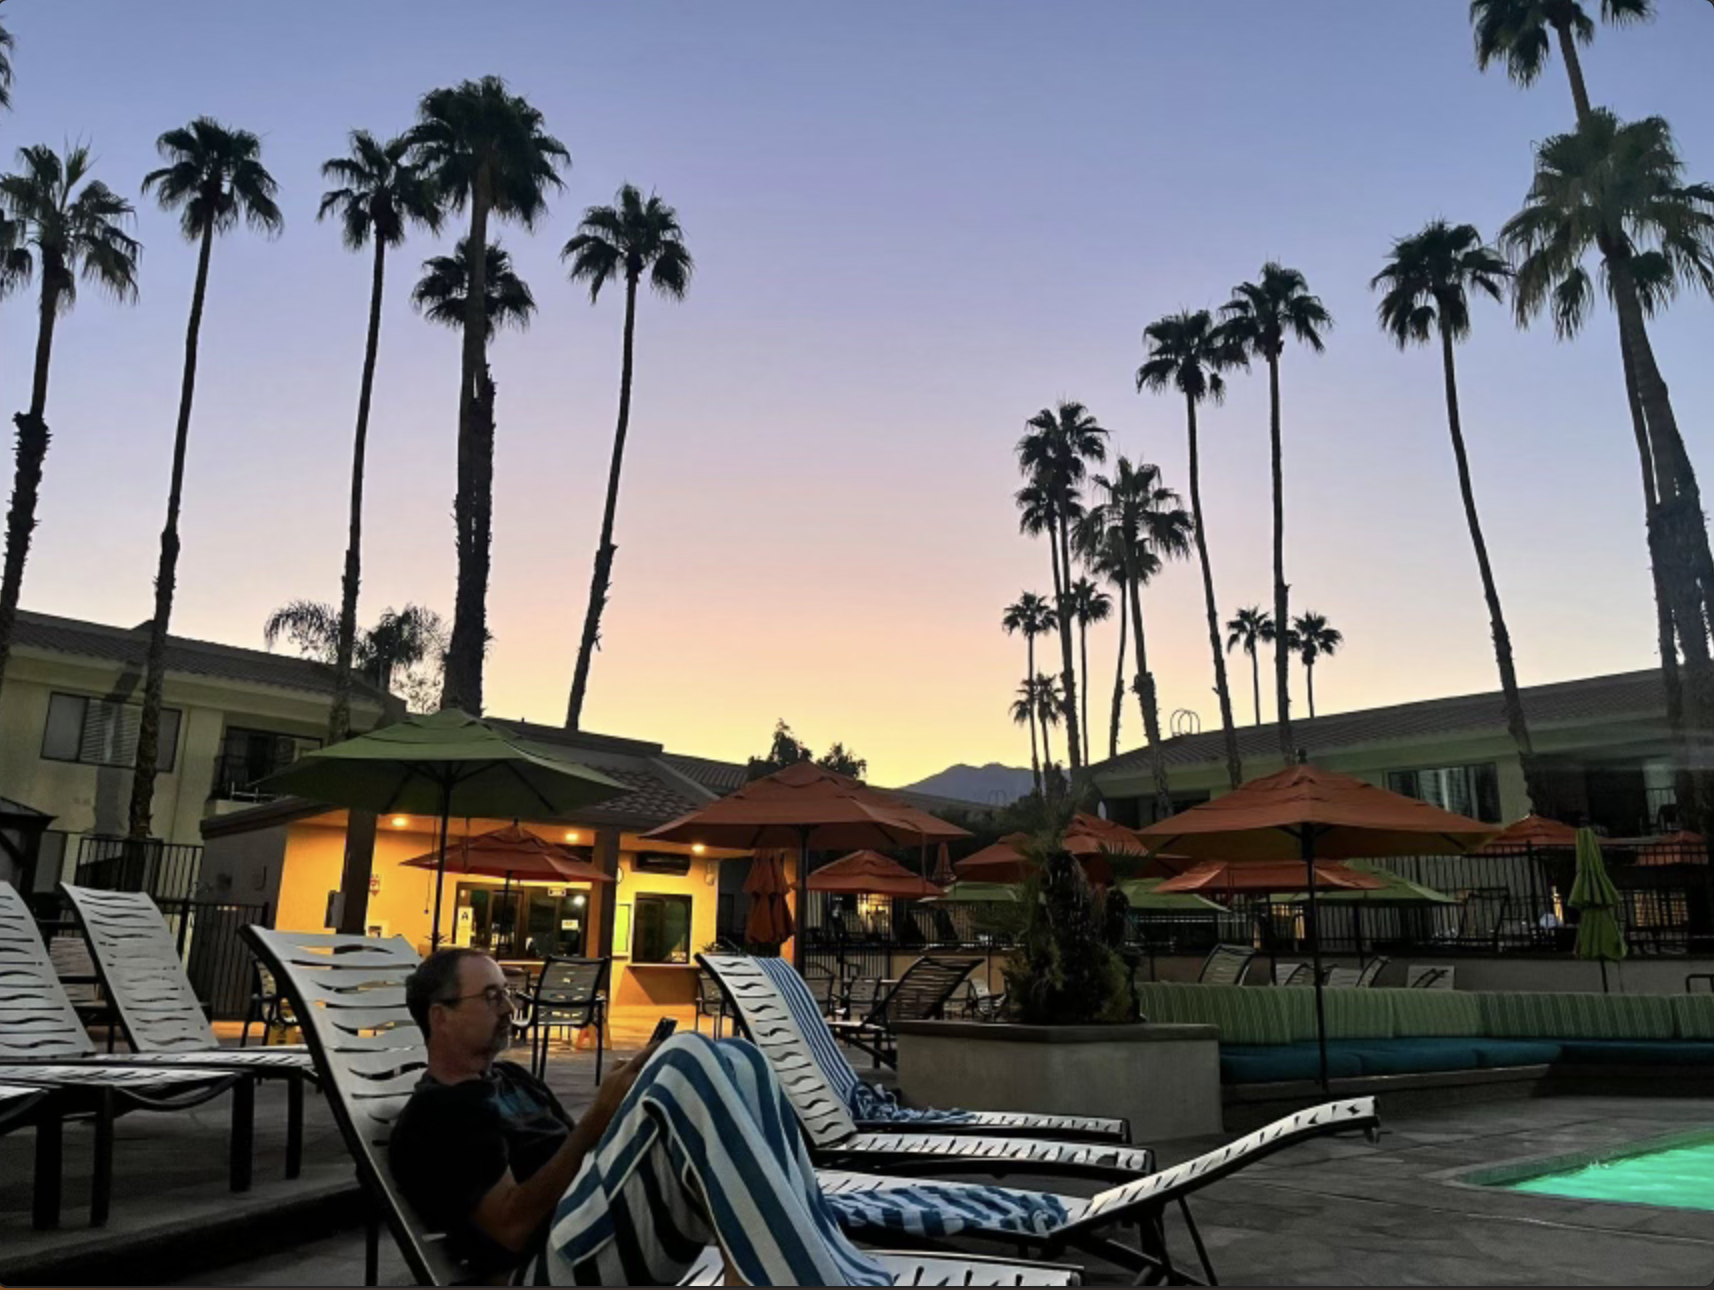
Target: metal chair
x=570, y=994
x=268, y=1007
x=1226, y=965
x=710, y=1002
x=1430, y=978
x=921, y=994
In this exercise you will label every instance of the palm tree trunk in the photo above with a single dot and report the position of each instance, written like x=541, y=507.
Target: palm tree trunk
x=1516, y=721
x=1282, y=655
x=1574, y=71
x=1256, y=677
x=1146, y=697
x=1119, y=674
x=462, y=684
x=149, y=726
x=1083, y=666
x=1309, y=672
x=1030, y=679
x=1069, y=698
x=1234, y=763
x=27, y=478
x=1047, y=751
x=339, y=725
x=601, y=583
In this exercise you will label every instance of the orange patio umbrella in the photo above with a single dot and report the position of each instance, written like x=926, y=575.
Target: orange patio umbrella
x=1307, y=814
x=1088, y=837
x=868, y=873
x=1266, y=877
x=1683, y=847
x=1534, y=831
x=513, y=853
x=770, y=921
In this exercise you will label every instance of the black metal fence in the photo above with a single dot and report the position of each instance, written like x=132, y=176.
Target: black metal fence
x=165, y=870
x=216, y=960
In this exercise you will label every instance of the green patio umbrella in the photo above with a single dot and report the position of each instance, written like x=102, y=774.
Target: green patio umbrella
x=1600, y=934
x=445, y=764
x=1398, y=891
x=977, y=893
x=1141, y=894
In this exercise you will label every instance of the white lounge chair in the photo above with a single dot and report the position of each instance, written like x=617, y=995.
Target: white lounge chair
x=349, y=996
x=780, y=1017
x=1050, y=1225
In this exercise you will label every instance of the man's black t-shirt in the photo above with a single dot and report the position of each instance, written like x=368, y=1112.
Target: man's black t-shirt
x=453, y=1142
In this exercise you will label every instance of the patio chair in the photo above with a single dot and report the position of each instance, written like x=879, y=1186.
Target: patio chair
x=1371, y=972
x=1431, y=978
x=1226, y=965
x=710, y=1002
x=921, y=994
x=1482, y=918
x=570, y=994
x=849, y=1125
x=1051, y=1225
x=823, y=984
x=1294, y=975
x=267, y=1007
x=348, y=993
x=983, y=1004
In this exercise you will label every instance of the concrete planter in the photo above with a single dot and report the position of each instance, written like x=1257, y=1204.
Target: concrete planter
x=1164, y=1079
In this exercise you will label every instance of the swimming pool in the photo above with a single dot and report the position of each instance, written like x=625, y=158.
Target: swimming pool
x=1671, y=1176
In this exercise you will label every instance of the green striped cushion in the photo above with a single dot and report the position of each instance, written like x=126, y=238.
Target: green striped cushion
x=1694, y=1014
x=1577, y=1016
x=1436, y=1014
x=1244, y=1014
x=1358, y=1014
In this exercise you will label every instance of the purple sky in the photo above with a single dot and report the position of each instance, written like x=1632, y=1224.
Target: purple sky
x=915, y=226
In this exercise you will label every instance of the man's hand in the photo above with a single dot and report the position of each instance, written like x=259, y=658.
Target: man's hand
x=614, y=1090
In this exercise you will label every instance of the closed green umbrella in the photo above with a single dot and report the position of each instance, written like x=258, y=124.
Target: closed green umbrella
x=445, y=764
x=1600, y=934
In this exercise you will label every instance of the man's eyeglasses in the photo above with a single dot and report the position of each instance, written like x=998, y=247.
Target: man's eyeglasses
x=496, y=997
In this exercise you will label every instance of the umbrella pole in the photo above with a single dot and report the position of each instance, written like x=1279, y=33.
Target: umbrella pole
x=1315, y=953
x=440, y=869
x=505, y=908
x=798, y=936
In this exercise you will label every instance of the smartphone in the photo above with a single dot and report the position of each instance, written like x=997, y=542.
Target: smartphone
x=664, y=1031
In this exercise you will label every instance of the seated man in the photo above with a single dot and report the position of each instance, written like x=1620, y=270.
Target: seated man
x=686, y=1147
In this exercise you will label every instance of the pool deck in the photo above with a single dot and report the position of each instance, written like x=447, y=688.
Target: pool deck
x=1336, y=1213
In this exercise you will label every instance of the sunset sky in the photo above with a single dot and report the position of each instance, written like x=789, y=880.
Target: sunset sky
x=915, y=225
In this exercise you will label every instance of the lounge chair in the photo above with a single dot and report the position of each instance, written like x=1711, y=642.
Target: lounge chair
x=1294, y=975
x=1431, y=978
x=1050, y=1225
x=850, y=1125
x=349, y=996
x=1226, y=965
x=982, y=1004
x=921, y=994
x=710, y=1003
x=267, y=1008
x=570, y=994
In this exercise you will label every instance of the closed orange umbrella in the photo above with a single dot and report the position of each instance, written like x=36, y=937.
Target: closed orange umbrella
x=868, y=873
x=770, y=921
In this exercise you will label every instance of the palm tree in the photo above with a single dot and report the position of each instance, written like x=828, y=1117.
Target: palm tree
x=1260, y=318
x=7, y=44
x=632, y=237
x=1188, y=353
x=1522, y=33
x=1313, y=639
x=1103, y=555
x=1091, y=605
x=1033, y=616
x=442, y=293
x=485, y=149
x=400, y=640
x=1617, y=189
x=1145, y=524
x=1054, y=455
x=1249, y=630
x=1024, y=713
x=1050, y=706
x=214, y=178
x=379, y=193
x=72, y=226
x=1426, y=289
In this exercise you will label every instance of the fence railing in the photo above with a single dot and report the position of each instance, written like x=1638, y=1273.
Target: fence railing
x=165, y=870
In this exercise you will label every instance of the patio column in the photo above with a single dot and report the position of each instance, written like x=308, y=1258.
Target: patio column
x=359, y=865
x=607, y=860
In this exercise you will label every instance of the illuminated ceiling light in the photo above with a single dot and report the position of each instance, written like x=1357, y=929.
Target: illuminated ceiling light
x=401, y=821
x=697, y=848
x=571, y=836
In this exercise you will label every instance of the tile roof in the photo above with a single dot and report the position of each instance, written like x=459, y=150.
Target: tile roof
x=130, y=647
x=718, y=777
x=1601, y=698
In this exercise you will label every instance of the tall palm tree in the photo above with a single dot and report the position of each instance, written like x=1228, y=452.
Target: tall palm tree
x=1050, y=707
x=1522, y=34
x=379, y=192
x=1024, y=713
x=1188, y=353
x=1091, y=605
x=1248, y=630
x=214, y=178
x=399, y=640
x=69, y=226
x=1313, y=639
x=1260, y=318
x=1618, y=190
x=1426, y=287
x=1145, y=523
x=633, y=237
x=1054, y=454
x=1103, y=555
x=1032, y=615
x=486, y=150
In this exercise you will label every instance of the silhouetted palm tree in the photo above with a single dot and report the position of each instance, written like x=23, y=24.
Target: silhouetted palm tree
x=1024, y=713
x=1033, y=616
x=633, y=237
x=399, y=640
x=214, y=178
x=1104, y=556
x=1248, y=630
x=1054, y=455
x=63, y=226
x=1313, y=639
x=378, y=194
x=7, y=43
x=1261, y=317
x=485, y=149
x=1522, y=33
x=441, y=293
x=1188, y=353
x=1050, y=707
x=1091, y=605
x=1426, y=289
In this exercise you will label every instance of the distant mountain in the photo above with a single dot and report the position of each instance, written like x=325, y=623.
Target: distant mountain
x=992, y=785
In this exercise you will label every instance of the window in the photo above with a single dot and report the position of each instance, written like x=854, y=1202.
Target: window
x=1463, y=790
x=100, y=732
x=662, y=929
x=248, y=756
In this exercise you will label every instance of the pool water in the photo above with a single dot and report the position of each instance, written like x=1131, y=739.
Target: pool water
x=1678, y=1178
